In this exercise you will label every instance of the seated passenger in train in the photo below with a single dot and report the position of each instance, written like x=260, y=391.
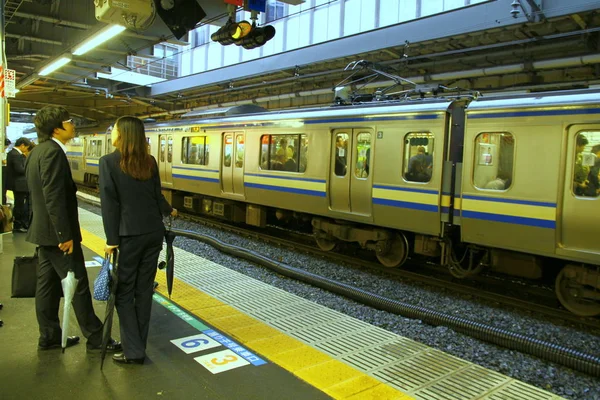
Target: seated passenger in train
x=290, y=164
x=581, y=171
x=593, y=186
x=501, y=182
x=420, y=166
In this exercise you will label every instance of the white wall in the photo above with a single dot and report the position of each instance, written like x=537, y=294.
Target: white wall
x=313, y=22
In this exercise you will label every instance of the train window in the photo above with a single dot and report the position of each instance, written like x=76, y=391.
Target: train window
x=194, y=150
x=162, y=148
x=284, y=153
x=227, y=150
x=94, y=148
x=341, y=154
x=170, y=150
x=363, y=155
x=149, y=147
x=418, y=156
x=239, y=151
x=586, y=174
x=494, y=157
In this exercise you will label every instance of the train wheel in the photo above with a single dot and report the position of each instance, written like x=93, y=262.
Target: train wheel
x=568, y=292
x=396, y=252
x=326, y=244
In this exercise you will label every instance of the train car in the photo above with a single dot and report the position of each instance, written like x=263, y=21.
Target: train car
x=479, y=184
x=84, y=153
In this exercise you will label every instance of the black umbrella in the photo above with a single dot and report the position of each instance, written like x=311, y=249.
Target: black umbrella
x=110, y=306
x=169, y=238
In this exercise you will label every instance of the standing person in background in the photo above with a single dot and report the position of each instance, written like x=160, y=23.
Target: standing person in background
x=17, y=182
x=55, y=229
x=132, y=211
x=7, y=143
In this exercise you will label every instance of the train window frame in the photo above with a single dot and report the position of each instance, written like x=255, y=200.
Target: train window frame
x=475, y=164
x=366, y=162
x=203, y=159
x=406, y=157
x=272, y=152
x=575, y=157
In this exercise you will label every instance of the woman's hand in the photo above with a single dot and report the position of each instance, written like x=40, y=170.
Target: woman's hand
x=108, y=249
x=174, y=213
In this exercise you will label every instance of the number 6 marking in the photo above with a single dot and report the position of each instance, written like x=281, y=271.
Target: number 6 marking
x=226, y=360
x=194, y=342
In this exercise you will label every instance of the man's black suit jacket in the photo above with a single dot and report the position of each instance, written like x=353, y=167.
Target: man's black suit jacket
x=53, y=196
x=15, y=171
x=129, y=206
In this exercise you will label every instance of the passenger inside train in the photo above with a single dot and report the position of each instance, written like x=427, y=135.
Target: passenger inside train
x=587, y=165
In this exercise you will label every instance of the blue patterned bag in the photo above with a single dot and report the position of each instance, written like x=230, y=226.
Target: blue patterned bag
x=103, y=281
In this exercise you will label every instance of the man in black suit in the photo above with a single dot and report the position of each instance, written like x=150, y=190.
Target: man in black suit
x=55, y=229
x=7, y=143
x=17, y=182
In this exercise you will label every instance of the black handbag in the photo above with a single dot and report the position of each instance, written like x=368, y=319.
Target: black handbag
x=24, y=276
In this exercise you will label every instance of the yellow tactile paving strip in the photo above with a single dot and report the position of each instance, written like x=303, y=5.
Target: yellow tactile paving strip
x=316, y=368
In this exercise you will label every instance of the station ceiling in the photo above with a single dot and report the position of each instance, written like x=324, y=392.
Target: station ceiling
x=489, y=49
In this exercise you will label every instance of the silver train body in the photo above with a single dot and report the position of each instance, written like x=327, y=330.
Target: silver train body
x=485, y=183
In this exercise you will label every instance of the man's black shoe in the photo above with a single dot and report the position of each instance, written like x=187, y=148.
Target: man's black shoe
x=112, y=347
x=1, y=323
x=19, y=230
x=121, y=359
x=71, y=341
x=1, y=306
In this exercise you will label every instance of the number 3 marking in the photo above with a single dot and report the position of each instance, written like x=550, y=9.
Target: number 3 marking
x=226, y=360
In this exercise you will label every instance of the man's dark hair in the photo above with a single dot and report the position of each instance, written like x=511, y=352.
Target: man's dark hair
x=7, y=142
x=582, y=140
x=596, y=149
x=21, y=141
x=48, y=119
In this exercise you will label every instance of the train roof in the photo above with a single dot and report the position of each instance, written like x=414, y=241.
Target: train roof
x=363, y=110
x=537, y=100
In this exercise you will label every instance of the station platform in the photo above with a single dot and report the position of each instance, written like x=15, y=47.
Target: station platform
x=224, y=335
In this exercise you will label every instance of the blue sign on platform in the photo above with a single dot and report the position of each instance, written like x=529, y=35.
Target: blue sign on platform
x=258, y=5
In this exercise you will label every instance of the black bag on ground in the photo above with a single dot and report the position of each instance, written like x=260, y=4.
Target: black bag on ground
x=24, y=276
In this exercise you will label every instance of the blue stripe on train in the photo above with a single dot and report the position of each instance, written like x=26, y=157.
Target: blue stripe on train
x=405, y=204
x=196, y=178
x=510, y=201
x=539, y=223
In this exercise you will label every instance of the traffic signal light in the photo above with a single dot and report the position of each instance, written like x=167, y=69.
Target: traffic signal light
x=243, y=34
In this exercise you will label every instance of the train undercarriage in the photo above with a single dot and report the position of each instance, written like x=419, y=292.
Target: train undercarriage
x=577, y=286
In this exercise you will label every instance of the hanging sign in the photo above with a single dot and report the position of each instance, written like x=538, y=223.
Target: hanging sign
x=9, y=82
x=235, y=2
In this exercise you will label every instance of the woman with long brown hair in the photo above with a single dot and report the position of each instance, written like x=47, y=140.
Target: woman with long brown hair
x=132, y=211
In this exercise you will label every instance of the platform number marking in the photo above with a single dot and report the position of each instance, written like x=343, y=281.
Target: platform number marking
x=221, y=361
x=195, y=343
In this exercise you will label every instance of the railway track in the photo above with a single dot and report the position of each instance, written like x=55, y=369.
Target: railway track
x=508, y=292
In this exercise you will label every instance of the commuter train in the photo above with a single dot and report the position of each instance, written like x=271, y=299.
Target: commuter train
x=506, y=184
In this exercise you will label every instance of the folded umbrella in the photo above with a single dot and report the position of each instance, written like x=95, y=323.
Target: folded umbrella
x=169, y=238
x=110, y=306
x=69, y=283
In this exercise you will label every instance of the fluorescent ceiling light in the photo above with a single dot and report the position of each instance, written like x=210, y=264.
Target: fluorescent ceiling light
x=102, y=36
x=27, y=81
x=55, y=65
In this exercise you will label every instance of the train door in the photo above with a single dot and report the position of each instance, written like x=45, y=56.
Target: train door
x=165, y=159
x=350, y=178
x=232, y=163
x=581, y=194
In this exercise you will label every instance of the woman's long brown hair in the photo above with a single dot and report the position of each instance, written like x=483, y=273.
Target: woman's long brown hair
x=135, y=160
